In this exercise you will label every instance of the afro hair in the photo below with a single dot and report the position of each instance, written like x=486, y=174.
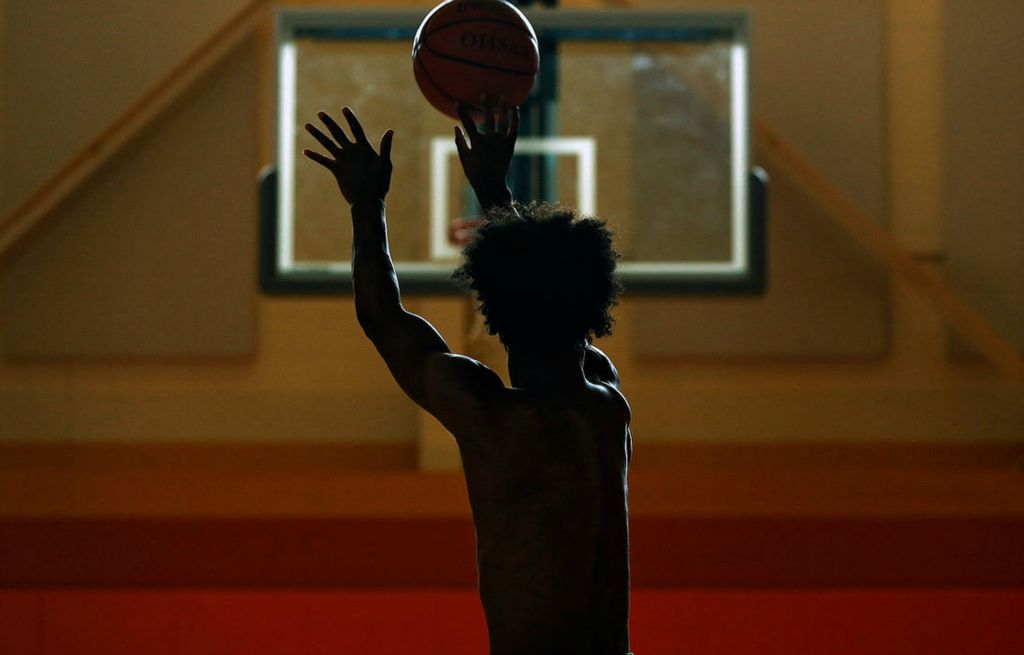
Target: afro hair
x=543, y=276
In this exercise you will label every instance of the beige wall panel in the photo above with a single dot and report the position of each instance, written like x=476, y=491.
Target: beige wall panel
x=72, y=68
x=241, y=415
x=824, y=415
x=912, y=395
x=155, y=256
x=33, y=415
x=984, y=96
x=316, y=378
x=34, y=401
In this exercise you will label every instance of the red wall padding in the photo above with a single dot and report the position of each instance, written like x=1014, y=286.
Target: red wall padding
x=668, y=552
x=450, y=622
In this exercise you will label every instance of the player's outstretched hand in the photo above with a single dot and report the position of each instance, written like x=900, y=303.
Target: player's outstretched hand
x=488, y=154
x=361, y=173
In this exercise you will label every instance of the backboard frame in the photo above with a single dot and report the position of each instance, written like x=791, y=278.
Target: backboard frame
x=744, y=274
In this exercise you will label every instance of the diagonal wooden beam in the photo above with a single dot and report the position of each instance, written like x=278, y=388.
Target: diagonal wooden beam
x=782, y=156
x=139, y=115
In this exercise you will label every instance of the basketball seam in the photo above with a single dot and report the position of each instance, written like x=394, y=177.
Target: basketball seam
x=525, y=30
x=430, y=78
x=474, y=63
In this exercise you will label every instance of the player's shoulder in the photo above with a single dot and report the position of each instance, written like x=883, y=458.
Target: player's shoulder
x=601, y=372
x=450, y=372
x=459, y=387
x=460, y=392
x=616, y=401
x=598, y=367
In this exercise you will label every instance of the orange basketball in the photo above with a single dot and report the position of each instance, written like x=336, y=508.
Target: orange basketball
x=467, y=47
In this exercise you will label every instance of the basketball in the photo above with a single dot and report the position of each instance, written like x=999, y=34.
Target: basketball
x=464, y=48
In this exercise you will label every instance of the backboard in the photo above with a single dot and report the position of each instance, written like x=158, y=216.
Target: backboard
x=638, y=117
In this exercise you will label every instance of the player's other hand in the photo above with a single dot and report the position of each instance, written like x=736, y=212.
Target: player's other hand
x=361, y=173
x=487, y=155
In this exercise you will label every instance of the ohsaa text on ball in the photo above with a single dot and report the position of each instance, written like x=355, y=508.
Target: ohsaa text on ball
x=494, y=43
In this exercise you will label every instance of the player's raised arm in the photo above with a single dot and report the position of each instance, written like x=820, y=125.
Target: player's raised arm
x=364, y=178
x=486, y=152
x=414, y=351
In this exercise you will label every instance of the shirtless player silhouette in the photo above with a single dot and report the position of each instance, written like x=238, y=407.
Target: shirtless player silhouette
x=546, y=459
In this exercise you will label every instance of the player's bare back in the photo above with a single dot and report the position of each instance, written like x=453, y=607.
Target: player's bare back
x=546, y=476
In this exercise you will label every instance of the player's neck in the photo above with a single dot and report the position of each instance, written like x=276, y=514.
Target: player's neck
x=546, y=371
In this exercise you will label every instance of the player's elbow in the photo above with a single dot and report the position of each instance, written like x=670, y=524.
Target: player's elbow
x=367, y=322
x=372, y=318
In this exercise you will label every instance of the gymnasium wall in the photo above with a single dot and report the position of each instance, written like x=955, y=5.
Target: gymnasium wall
x=202, y=357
